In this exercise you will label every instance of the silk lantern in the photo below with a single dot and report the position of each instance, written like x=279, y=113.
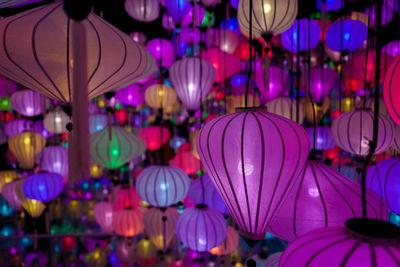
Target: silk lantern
x=177, y=9
x=220, y=60
x=322, y=82
x=162, y=186
x=103, y=214
x=7, y=177
x=38, y=127
x=154, y=136
x=186, y=161
x=391, y=89
x=162, y=50
x=131, y=95
x=239, y=101
x=322, y=197
x=392, y=48
x=286, y=107
x=346, y=35
x=125, y=252
x=323, y=138
x=34, y=207
x=25, y=147
x=56, y=121
x=160, y=96
x=277, y=80
x=229, y=245
x=43, y=186
x=320, y=109
x=201, y=228
x=18, y=126
x=128, y=222
x=301, y=36
x=125, y=196
x=97, y=122
x=28, y=103
x=143, y=10
x=54, y=159
x=225, y=39
x=10, y=194
x=262, y=161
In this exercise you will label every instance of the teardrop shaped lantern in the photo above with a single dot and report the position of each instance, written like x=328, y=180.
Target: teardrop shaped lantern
x=322, y=82
x=277, y=80
x=154, y=136
x=160, y=96
x=18, y=126
x=103, y=214
x=286, y=107
x=34, y=207
x=10, y=194
x=252, y=157
x=143, y=10
x=28, y=103
x=25, y=147
x=230, y=243
x=186, y=161
x=43, y=186
x=128, y=222
x=56, y=121
x=225, y=65
x=299, y=36
x=391, y=88
x=346, y=35
x=113, y=146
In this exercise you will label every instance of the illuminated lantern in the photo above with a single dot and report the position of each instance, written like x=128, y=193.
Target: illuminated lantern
x=143, y=10
x=229, y=245
x=162, y=50
x=131, y=95
x=25, y=147
x=293, y=37
x=54, y=159
x=162, y=186
x=322, y=197
x=97, y=258
x=121, y=115
x=146, y=253
x=278, y=82
x=226, y=40
x=186, y=161
x=238, y=102
x=286, y=107
x=154, y=136
x=113, y=147
x=160, y=96
x=138, y=37
x=201, y=228
x=273, y=260
x=396, y=140
x=391, y=91
x=176, y=141
x=322, y=82
x=34, y=207
x=160, y=226
x=125, y=252
x=243, y=51
x=346, y=35
x=192, y=78
x=28, y=103
x=226, y=65
x=97, y=122
x=329, y=5
x=125, y=196
x=68, y=244
x=320, y=109
x=177, y=9
x=353, y=131
x=392, y=48
x=38, y=127
x=7, y=177
x=95, y=170
x=262, y=161
x=370, y=103
x=18, y=126
x=103, y=214
x=128, y=222
x=56, y=121
x=10, y=194
x=43, y=186
x=209, y=3
x=323, y=138
x=7, y=87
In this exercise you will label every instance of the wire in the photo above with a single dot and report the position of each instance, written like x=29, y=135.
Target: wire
x=251, y=54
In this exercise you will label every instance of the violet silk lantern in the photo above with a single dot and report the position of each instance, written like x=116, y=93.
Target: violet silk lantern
x=323, y=81
x=43, y=186
x=323, y=138
x=103, y=214
x=54, y=159
x=28, y=103
x=252, y=157
x=277, y=79
x=178, y=9
x=299, y=36
x=346, y=35
x=143, y=10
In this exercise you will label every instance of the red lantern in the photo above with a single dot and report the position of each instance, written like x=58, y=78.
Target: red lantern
x=186, y=160
x=154, y=136
x=122, y=116
x=221, y=60
x=125, y=196
x=68, y=244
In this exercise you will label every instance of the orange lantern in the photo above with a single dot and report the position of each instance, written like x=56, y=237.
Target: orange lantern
x=128, y=222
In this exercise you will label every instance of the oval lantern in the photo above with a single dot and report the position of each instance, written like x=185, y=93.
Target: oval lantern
x=278, y=82
x=131, y=95
x=10, y=194
x=103, y=214
x=391, y=89
x=322, y=82
x=160, y=96
x=177, y=9
x=97, y=122
x=25, y=147
x=18, y=126
x=298, y=37
x=323, y=138
x=34, y=207
x=43, y=186
x=54, y=159
x=346, y=35
x=201, y=228
x=56, y=121
x=28, y=103
x=229, y=245
x=162, y=50
x=143, y=10
x=186, y=161
x=128, y=222
x=7, y=177
x=162, y=186
x=154, y=136
x=113, y=147
x=125, y=196
x=286, y=107
x=225, y=65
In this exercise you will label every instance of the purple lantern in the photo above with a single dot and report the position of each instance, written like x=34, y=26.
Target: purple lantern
x=323, y=80
x=162, y=50
x=103, y=214
x=293, y=37
x=7, y=87
x=18, y=126
x=392, y=48
x=192, y=78
x=386, y=15
x=201, y=228
x=131, y=95
x=329, y=5
x=346, y=35
x=323, y=138
x=10, y=194
x=43, y=186
x=138, y=37
x=200, y=15
x=322, y=197
x=234, y=3
x=97, y=122
x=225, y=39
x=252, y=157
x=38, y=127
x=54, y=159
x=278, y=82
x=188, y=35
x=28, y=103
x=177, y=9
x=168, y=22
x=143, y=10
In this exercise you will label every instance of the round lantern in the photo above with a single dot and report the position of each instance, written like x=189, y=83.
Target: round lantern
x=25, y=147
x=383, y=178
x=186, y=161
x=28, y=103
x=39, y=128
x=162, y=186
x=43, y=186
x=131, y=95
x=229, y=245
x=97, y=122
x=352, y=132
x=125, y=252
x=269, y=152
x=323, y=138
x=10, y=194
x=103, y=214
x=322, y=82
x=192, y=78
x=18, y=126
x=322, y=197
x=125, y=196
x=160, y=226
x=346, y=35
x=177, y=9
x=225, y=65
x=278, y=82
x=300, y=36
x=286, y=107
x=7, y=177
x=56, y=121
x=162, y=50
x=54, y=159
x=143, y=10
x=160, y=96
x=201, y=228
x=146, y=253
x=226, y=40
x=377, y=245
x=34, y=207
x=391, y=90
x=128, y=222
x=113, y=147
x=154, y=136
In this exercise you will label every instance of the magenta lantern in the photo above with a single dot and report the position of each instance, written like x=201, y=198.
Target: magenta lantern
x=323, y=81
x=322, y=197
x=225, y=39
x=132, y=95
x=186, y=161
x=278, y=82
x=392, y=48
x=10, y=194
x=192, y=78
x=188, y=35
x=220, y=61
x=18, y=126
x=143, y=10
x=162, y=50
x=125, y=196
x=103, y=214
x=200, y=16
x=252, y=157
x=43, y=186
x=286, y=107
x=7, y=87
x=28, y=103
x=177, y=9
x=162, y=186
x=154, y=136
x=352, y=132
x=323, y=138
x=391, y=90
x=293, y=37
x=54, y=159
x=128, y=222
x=201, y=228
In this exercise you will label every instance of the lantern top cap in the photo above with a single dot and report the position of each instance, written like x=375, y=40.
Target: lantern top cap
x=373, y=228
x=201, y=206
x=251, y=109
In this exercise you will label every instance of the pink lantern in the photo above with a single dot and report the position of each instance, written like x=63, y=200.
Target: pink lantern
x=252, y=176
x=323, y=81
x=322, y=197
x=391, y=89
x=278, y=82
x=392, y=48
x=143, y=10
x=7, y=87
x=103, y=214
x=128, y=222
x=168, y=22
x=138, y=37
x=225, y=39
x=229, y=245
x=28, y=103
x=10, y=194
x=54, y=159
x=186, y=161
x=125, y=196
x=132, y=95
x=188, y=35
x=220, y=61
x=162, y=50
x=154, y=136
x=18, y=126
x=200, y=16
x=208, y=3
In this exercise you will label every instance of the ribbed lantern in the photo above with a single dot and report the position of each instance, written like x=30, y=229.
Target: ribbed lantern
x=201, y=228
x=18, y=126
x=192, y=78
x=299, y=36
x=392, y=48
x=346, y=35
x=277, y=80
x=28, y=103
x=226, y=65
x=384, y=179
x=25, y=147
x=125, y=196
x=162, y=50
x=186, y=161
x=162, y=186
x=323, y=138
x=391, y=89
x=322, y=82
x=103, y=214
x=177, y=9
x=154, y=136
x=160, y=226
x=38, y=127
x=43, y=186
x=160, y=96
x=229, y=245
x=131, y=95
x=10, y=194
x=322, y=197
x=97, y=122
x=143, y=10
x=7, y=177
x=252, y=157
x=56, y=121
x=128, y=222
x=113, y=147
x=352, y=132
x=225, y=39
x=34, y=207
x=286, y=107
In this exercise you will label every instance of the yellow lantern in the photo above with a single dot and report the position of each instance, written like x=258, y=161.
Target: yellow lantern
x=34, y=207
x=358, y=16
x=95, y=170
x=192, y=139
x=7, y=177
x=145, y=249
x=348, y=104
x=239, y=102
x=320, y=110
x=160, y=96
x=25, y=147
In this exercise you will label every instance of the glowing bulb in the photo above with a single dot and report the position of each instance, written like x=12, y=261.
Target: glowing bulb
x=248, y=168
x=267, y=8
x=164, y=186
x=115, y=152
x=29, y=110
x=160, y=92
x=27, y=140
x=57, y=119
x=346, y=36
x=313, y=192
x=191, y=87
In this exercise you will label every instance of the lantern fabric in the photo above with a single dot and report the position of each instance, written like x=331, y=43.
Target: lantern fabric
x=125, y=252
x=220, y=60
x=103, y=214
x=323, y=138
x=7, y=177
x=113, y=146
x=396, y=140
x=18, y=126
x=97, y=122
x=329, y=5
x=177, y=9
x=10, y=194
x=352, y=132
x=201, y=228
x=186, y=161
x=143, y=10
x=229, y=245
x=160, y=96
x=28, y=103
x=299, y=36
x=278, y=82
x=391, y=91
x=383, y=178
x=7, y=87
x=322, y=82
x=262, y=161
x=322, y=197
x=162, y=50
x=286, y=107
x=160, y=226
x=56, y=121
x=128, y=222
x=34, y=207
x=25, y=147
x=226, y=40
x=125, y=196
x=162, y=186
x=38, y=127
x=154, y=136
x=392, y=48
x=131, y=95
x=192, y=78
x=346, y=35
x=43, y=186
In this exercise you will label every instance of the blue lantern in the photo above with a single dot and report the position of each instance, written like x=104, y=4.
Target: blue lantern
x=293, y=35
x=43, y=186
x=346, y=35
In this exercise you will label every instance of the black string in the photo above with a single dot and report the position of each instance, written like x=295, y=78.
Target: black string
x=366, y=61
x=298, y=73
x=309, y=84
x=251, y=48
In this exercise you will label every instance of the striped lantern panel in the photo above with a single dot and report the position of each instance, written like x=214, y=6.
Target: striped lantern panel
x=18, y=126
x=323, y=138
x=160, y=96
x=143, y=10
x=391, y=90
x=43, y=186
x=54, y=159
x=396, y=140
x=346, y=35
x=128, y=222
x=286, y=107
x=29, y=103
x=56, y=121
x=299, y=34
x=25, y=147
x=103, y=214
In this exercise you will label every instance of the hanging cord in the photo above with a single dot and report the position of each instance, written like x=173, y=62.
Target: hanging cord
x=309, y=86
x=366, y=61
x=202, y=191
x=298, y=73
x=341, y=64
x=251, y=53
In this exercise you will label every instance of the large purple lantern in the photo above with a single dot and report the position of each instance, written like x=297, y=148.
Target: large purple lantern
x=323, y=138
x=43, y=186
x=143, y=10
x=132, y=95
x=346, y=35
x=293, y=37
x=252, y=157
x=322, y=81
x=28, y=103
x=18, y=126
x=278, y=82
x=177, y=9
x=54, y=159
